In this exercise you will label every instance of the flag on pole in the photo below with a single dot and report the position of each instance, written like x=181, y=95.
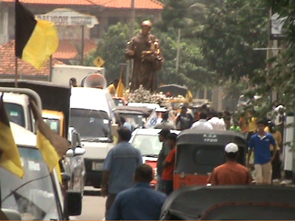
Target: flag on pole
x=35, y=40
x=189, y=96
x=121, y=87
x=9, y=154
x=152, y=120
x=51, y=145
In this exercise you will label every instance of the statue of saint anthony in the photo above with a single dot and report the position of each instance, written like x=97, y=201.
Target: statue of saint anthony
x=145, y=50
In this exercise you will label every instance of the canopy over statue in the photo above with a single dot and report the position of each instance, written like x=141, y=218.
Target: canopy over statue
x=145, y=50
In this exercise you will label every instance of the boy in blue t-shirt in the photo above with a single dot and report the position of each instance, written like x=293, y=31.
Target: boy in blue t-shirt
x=260, y=144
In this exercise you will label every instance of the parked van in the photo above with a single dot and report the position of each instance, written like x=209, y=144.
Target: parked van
x=92, y=116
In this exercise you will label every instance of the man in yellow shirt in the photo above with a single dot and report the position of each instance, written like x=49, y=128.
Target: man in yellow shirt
x=276, y=163
x=113, y=87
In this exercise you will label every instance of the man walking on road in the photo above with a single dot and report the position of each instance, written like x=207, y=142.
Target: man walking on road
x=168, y=165
x=231, y=172
x=202, y=124
x=260, y=144
x=139, y=202
x=163, y=134
x=119, y=167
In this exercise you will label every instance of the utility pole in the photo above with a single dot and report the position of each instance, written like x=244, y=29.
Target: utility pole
x=130, y=62
x=132, y=17
x=178, y=51
x=82, y=45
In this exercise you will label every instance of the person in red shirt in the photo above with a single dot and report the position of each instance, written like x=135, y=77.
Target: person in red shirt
x=168, y=165
x=231, y=172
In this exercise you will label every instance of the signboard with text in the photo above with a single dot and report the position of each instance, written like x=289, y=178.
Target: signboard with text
x=64, y=16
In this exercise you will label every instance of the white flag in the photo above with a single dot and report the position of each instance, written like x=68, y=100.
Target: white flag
x=152, y=120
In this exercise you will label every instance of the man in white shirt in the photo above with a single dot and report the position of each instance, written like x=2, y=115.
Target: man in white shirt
x=217, y=123
x=202, y=124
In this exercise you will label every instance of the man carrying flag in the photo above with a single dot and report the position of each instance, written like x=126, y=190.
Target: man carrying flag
x=35, y=40
x=9, y=154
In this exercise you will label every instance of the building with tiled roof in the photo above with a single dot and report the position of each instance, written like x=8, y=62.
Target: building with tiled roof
x=109, y=4
x=25, y=70
x=107, y=12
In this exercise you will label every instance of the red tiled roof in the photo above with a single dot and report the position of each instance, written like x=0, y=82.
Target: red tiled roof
x=123, y=4
x=67, y=48
x=7, y=64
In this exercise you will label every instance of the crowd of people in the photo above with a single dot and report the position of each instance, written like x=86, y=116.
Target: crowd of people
x=126, y=180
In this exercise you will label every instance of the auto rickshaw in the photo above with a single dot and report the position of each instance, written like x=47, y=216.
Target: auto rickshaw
x=200, y=151
x=244, y=202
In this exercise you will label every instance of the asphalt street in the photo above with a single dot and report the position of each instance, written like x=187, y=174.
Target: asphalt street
x=93, y=206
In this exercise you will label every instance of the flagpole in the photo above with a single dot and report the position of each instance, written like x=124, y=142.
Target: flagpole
x=50, y=68
x=15, y=57
x=16, y=71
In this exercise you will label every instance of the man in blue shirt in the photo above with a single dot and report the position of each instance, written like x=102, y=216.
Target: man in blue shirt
x=119, y=167
x=260, y=144
x=140, y=202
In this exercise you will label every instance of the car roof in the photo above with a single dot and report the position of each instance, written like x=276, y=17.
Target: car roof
x=134, y=110
x=52, y=114
x=148, y=105
x=196, y=136
x=15, y=98
x=82, y=98
x=151, y=131
x=23, y=136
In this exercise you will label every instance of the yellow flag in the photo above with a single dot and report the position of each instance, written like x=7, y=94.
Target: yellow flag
x=98, y=62
x=10, y=157
x=51, y=145
x=189, y=96
x=121, y=88
x=35, y=40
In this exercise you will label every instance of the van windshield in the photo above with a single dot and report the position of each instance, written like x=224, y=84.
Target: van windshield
x=54, y=124
x=33, y=195
x=15, y=113
x=91, y=124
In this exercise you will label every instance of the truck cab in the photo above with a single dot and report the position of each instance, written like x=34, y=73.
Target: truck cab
x=18, y=110
x=39, y=194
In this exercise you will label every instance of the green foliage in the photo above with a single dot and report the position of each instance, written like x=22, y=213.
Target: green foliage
x=229, y=36
x=111, y=49
x=279, y=77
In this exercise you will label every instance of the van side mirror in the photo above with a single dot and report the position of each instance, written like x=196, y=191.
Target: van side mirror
x=65, y=177
x=70, y=153
x=79, y=151
x=74, y=203
x=11, y=214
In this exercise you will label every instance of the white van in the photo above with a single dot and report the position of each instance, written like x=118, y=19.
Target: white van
x=91, y=114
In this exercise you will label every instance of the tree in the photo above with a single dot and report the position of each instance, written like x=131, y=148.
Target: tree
x=229, y=36
x=111, y=49
x=192, y=70
x=279, y=76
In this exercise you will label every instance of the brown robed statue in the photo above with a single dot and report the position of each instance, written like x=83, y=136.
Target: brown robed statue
x=145, y=50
